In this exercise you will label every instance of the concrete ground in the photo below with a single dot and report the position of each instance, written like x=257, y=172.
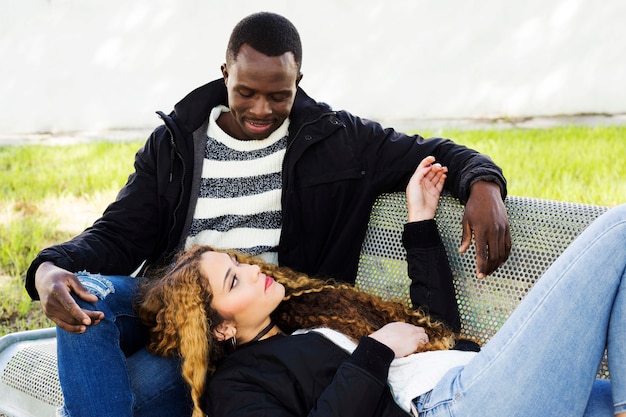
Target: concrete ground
x=416, y=125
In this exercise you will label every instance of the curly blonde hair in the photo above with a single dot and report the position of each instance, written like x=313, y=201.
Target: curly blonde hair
x=177, y=307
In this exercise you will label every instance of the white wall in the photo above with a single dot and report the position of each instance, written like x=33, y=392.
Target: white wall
x=68, y=65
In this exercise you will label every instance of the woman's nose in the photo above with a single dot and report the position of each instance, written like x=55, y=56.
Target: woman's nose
x=254, y=272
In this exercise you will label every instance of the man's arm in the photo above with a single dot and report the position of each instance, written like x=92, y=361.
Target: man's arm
x=116, y=244
x=472, y=177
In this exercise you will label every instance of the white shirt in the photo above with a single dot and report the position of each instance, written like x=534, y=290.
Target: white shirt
x=412, y=375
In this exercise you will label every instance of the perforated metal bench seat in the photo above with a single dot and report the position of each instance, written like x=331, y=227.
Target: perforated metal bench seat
x=541, y=230
x=29, y=383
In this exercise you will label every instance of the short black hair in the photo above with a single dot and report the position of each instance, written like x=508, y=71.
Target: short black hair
x=268, y=33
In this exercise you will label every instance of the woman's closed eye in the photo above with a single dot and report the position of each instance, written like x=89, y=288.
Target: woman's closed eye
x=234, y=280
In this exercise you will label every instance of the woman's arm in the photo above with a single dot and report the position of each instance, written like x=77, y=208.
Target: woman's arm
x=304, y=375
x=431, y=278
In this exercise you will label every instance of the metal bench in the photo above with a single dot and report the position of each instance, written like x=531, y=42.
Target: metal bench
x=541, y=230
x=29, y=383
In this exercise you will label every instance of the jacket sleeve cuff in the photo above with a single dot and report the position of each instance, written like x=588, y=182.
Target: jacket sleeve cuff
x=421, y=235
x=373, y=356
x=30, y=278
x=44, y=256
x=495, y=180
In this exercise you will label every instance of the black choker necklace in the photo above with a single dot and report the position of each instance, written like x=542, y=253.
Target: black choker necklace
x=233, y=345
x=263, y=332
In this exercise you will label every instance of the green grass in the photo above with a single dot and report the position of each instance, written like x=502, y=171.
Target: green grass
x=42, y=188
x=575, y=164
x=50, y=193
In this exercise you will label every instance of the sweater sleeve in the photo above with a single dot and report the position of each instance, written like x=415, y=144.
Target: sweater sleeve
x=431, y=288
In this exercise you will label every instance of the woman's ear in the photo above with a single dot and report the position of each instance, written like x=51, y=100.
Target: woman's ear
x=225, y=330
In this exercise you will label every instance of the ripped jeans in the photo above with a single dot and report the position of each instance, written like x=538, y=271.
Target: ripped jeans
x=107, y=371
x=544, y=359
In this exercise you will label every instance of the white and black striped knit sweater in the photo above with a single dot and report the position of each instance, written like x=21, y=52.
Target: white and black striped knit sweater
x=239, y=202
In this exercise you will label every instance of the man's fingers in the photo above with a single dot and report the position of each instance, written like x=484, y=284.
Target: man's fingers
x=507, y=245
x=482, y=256
x=492, y=251
x=70, y=328
x=67, y=312
x=71, y=318
x=466, y=237
x=78, y=288
x=499, y=254
x=67, y=305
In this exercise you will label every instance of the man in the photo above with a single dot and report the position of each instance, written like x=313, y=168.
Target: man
x=248, y=162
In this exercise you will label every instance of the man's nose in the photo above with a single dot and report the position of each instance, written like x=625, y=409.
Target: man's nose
x=261, y=107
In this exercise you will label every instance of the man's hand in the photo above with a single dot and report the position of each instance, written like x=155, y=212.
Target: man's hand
x=54, y=286
x=485, y=216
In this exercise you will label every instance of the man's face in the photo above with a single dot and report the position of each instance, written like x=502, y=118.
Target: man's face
x=261, y=92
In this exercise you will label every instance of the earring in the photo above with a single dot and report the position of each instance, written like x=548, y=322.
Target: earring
x=233, y=343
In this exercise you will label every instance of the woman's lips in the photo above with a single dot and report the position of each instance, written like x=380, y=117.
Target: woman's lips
x=268, y=282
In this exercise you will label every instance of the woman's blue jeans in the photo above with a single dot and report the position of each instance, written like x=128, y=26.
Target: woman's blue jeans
x=544, y=359
x=107, y=371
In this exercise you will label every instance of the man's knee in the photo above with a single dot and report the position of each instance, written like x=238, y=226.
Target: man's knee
x=115, y=293
x=96, y=284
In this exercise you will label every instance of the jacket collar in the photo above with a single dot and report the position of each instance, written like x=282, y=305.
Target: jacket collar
x=193, y=110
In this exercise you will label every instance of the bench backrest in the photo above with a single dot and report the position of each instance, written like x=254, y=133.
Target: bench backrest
x=540, y=232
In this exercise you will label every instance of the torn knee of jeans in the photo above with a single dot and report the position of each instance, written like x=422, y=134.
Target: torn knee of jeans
x=96, y=284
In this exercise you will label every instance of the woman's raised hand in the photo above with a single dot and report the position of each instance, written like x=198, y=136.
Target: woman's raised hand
x=424, y=188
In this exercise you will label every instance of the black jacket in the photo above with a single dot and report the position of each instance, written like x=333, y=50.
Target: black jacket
x=303, y=375
x=335, y=166
x=308, y=375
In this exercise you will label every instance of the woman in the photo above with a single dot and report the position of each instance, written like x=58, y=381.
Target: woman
x=542, y=362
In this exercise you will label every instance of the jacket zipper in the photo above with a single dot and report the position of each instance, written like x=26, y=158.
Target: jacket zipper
x=174, y=153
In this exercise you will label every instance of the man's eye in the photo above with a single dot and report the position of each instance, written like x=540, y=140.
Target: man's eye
x=246, y=94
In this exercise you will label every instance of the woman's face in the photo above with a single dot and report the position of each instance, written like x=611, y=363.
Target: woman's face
x=242, y=294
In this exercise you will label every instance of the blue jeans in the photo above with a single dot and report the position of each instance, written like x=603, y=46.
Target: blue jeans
x=107, y=370
x=544, y=359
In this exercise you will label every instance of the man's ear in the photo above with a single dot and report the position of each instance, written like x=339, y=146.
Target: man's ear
x=298, y=79
x=224, y=70
x=225, y=330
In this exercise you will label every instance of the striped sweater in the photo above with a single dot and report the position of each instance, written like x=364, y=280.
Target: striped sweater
x=239, y=204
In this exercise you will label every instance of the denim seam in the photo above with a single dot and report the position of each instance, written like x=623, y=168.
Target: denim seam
x=619, y=408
